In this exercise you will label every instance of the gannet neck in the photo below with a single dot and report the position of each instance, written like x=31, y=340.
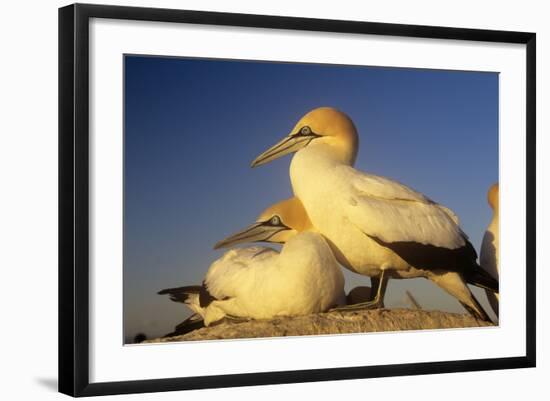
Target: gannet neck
x=311, y=163
x=492, y=197
x=339, y=149
x=307, y=168
x=321, y=154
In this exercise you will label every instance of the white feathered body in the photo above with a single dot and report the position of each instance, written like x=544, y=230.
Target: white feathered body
x=347, y=206
x=261, y=283
x=488, y=256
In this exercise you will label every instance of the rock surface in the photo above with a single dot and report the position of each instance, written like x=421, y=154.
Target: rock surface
x=332, y=323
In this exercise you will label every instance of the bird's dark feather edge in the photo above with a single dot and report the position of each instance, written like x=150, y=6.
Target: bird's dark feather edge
x=181, y=294
x=462, y=260
x=193, y=322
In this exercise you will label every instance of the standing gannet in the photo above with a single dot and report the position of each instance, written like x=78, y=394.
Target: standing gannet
x=488, y=255
x=375, y=226
x=261, y=283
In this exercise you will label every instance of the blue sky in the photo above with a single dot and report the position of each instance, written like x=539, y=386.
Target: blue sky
x=192, y=127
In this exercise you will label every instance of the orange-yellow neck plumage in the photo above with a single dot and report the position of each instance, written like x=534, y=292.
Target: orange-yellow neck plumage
x=492, y=196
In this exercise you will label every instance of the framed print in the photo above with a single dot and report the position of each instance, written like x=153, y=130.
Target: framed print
x=282, y=193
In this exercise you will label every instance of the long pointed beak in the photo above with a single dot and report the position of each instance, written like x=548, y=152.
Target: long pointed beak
x=288, y=144
x=256, y=232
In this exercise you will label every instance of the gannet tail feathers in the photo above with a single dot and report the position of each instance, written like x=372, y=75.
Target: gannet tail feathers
x=480, y=278
x=193, y=322
x=478, y=312
x=181, y=294
x=456, y=285
x=193, y=295
x=190, y=296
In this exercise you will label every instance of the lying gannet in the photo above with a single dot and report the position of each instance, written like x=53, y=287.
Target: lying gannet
x=261, y=283
x=488, y=255
x=375, y=226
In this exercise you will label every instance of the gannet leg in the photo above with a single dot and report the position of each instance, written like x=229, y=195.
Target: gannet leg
x=376, y=302
x=375, y=284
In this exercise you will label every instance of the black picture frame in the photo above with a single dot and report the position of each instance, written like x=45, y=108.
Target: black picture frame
x=74, y=198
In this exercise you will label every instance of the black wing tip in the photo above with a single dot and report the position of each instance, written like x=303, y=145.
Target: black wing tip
x=180, y=294
x=192, y=323
x=433, y=257
x=480, y=278
x=192, y=289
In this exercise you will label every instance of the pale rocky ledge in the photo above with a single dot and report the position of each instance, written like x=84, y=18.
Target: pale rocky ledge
x=364, y=321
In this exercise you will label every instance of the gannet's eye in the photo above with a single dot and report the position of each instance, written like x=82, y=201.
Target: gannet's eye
x=275, y=220
x=305, y=130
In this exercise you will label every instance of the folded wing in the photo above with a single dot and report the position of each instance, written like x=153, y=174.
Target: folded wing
x=393, y=212
x=237, y=270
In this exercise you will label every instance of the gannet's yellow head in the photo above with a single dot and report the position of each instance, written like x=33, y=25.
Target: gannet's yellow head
x=278, y=223
x=492, y=196
x=323, y=125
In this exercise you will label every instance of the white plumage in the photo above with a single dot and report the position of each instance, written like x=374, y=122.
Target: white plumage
x=393, y=212
x=374, y=224
x=489, y=253
x=261, y=283
x=350, y=207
